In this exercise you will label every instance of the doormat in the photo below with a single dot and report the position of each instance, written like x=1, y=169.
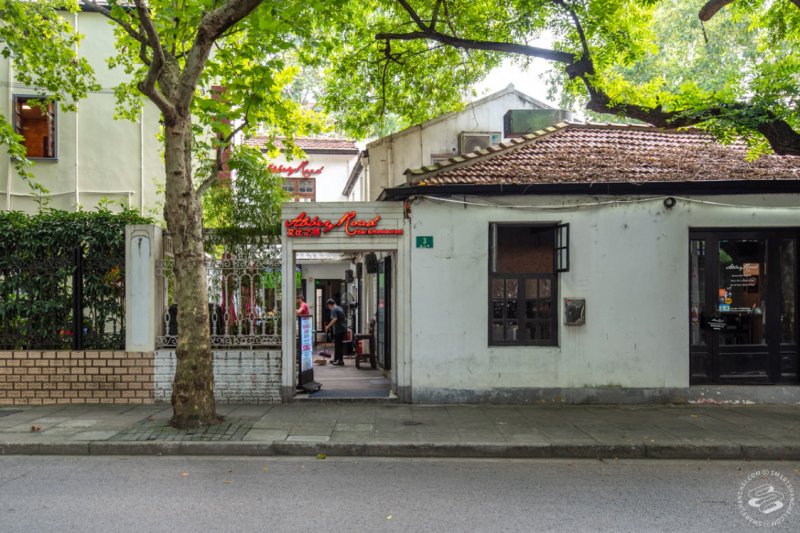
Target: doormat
x=350, y=394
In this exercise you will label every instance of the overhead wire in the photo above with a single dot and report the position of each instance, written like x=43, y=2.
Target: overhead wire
x=602, y=203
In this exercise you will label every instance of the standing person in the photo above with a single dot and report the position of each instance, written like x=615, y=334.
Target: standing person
x=302, y=307
x=337, y=325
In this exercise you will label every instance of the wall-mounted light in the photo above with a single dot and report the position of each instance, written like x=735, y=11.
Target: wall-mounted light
x=669, y=202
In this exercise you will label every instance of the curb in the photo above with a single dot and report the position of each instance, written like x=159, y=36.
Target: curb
x=409, y=449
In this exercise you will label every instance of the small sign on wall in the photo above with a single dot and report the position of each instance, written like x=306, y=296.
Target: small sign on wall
x=574, y=311
x=425, y=241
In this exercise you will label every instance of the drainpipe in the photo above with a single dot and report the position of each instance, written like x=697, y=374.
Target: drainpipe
x=141, y=162
x=77, y=133
x=11, y=114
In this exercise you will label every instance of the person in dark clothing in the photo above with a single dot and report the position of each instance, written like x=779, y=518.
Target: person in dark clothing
x=337, y=327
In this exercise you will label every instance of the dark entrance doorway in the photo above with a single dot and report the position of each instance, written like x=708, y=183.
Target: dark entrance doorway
x=325, y=289
x=383, y=329
x=743, y=306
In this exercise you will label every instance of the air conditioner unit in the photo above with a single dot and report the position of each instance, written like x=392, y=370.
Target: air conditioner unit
x=469, y=141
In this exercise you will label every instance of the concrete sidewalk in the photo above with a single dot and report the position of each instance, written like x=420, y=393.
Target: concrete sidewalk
x=386, y=429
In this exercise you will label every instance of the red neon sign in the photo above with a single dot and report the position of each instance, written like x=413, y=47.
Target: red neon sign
x=305, y=226
x=302, y=168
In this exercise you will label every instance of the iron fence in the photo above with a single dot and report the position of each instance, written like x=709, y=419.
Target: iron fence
x=62, y=303
x=244, y=294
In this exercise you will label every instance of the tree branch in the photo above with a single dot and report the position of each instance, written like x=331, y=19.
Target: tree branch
x=783, y=139
x=711, y=7
x=435, y=15
x=212, y=26
x=414, y=16
x=472, y=44
x=148, y=86
x=578, y=27
x=93, y=7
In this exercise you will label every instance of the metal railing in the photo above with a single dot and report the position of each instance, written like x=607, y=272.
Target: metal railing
x=244, y=297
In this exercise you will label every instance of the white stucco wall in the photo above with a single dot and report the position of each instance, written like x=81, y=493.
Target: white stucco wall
x=331, y=181
x=98, y=157
x=390, y=156
x=630, y=261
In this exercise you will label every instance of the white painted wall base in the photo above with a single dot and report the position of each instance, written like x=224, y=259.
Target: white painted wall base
x=240, y=376
x=704, y=395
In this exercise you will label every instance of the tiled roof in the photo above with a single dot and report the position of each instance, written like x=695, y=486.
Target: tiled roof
x=310, y=145
x=591, y=153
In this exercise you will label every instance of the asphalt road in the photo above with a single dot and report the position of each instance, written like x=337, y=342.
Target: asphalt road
x=177, y=494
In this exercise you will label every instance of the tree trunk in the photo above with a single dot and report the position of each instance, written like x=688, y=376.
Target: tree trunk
x=193, y=388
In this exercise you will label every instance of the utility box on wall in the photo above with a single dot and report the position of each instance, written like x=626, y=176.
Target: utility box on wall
x=574, y=311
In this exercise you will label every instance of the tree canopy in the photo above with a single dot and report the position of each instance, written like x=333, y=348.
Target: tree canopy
x=214, y=70
x=640, y=59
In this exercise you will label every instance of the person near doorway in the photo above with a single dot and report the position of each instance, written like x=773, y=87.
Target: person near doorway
x=302, y=307
x=337, y=327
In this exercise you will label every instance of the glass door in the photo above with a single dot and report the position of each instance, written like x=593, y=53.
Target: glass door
x=383, y=324
x=741, y=311
x=742, y=307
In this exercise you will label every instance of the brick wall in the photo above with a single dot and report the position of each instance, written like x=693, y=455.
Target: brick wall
x=47, y=377
x=240, y=376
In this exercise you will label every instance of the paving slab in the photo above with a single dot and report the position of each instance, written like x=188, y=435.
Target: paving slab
x=403, y=430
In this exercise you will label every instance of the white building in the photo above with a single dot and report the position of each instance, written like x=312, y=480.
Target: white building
x=582, y=263
x=321, y=175
x=479, y=124
x=85, y=156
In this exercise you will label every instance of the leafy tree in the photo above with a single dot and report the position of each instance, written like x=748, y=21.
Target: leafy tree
x=251, y=205
x=214, y=69
x=602, y=47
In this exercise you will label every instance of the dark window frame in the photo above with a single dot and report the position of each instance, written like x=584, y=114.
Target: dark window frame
x=522, y=298
x=53, y=126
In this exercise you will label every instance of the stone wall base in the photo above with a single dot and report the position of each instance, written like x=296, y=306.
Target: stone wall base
x=240, y=376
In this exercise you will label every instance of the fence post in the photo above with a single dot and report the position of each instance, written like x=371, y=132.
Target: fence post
x=142, y=289
x=77, y=299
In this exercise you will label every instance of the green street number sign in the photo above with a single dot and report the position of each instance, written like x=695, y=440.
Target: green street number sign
x=425, y=241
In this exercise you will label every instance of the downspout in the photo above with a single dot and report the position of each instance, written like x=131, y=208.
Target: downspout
x=77, y=133
x=141, y=163
x=11, y=113
x=365, y=189
x=390, y=166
